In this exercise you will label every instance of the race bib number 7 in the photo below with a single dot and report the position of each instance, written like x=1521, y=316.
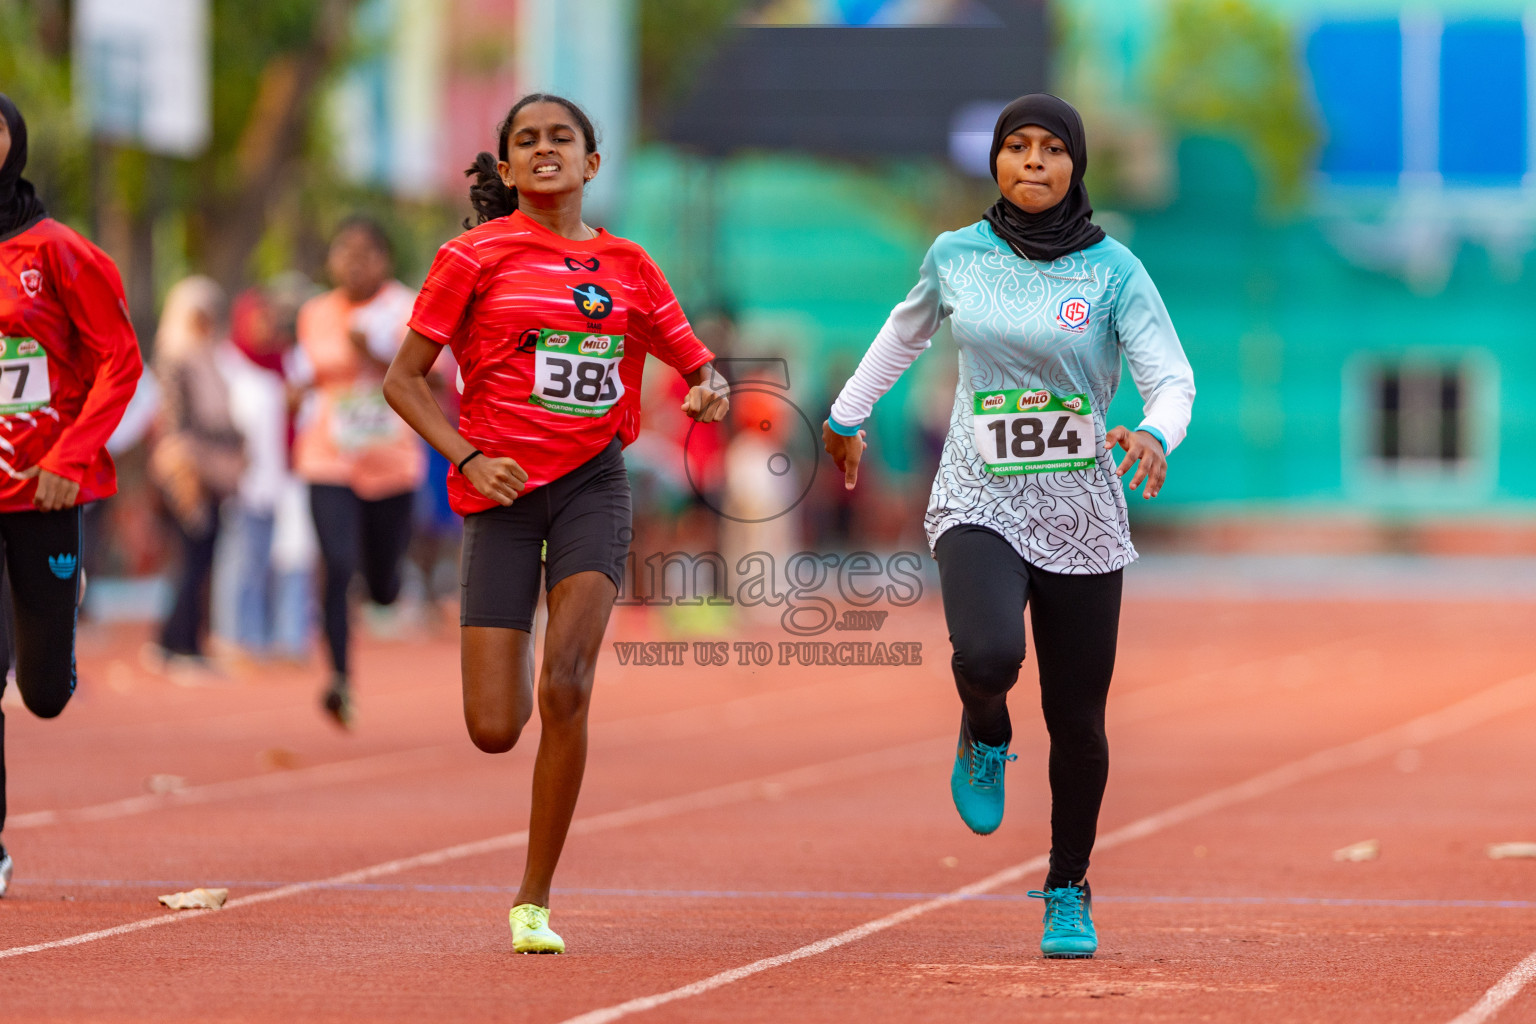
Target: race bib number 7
x=577, y=374
x=23, y=376
x=1022, y=431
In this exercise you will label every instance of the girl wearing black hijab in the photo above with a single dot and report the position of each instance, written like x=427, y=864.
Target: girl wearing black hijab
x=69, y=362
x=1027, y=506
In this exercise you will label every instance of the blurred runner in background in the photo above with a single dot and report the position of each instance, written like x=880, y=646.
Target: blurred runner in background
x=68, y=364
x=361, y=462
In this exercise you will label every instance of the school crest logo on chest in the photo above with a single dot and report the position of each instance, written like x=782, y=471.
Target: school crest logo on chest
x=31, y=282
x=1073, y=313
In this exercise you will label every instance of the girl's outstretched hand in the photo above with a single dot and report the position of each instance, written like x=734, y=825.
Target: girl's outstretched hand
x=1140, y=447
x=845, y=451
x=708, y=400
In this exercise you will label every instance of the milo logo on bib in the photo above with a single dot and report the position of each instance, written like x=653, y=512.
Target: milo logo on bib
x=596, y=345
x=1034, y=431
x=1033, y=400
x=557, y=341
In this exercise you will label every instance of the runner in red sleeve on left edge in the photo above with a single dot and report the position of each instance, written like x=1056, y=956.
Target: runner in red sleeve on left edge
x=69, y=363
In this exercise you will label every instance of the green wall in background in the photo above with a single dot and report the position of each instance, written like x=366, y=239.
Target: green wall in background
x=810, y=255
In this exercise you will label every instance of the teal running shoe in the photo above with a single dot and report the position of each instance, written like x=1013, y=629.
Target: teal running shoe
x=976, y=782
x=1069, y=932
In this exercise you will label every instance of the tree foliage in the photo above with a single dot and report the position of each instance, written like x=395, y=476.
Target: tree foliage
x=34, y=71
x=1230, y=68
x=676, y=37
x=265, y=171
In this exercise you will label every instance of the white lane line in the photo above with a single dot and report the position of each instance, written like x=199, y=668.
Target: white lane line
x=1505, y=989
x=769, y=787
x=740, y=712
x=1498, y=700
x=860, y=689
x=331, y=773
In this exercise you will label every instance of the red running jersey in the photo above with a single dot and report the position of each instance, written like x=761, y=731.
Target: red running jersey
x=551, y=337
x=69, y=362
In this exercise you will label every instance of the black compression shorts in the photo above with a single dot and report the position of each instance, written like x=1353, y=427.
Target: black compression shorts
x=584, y=517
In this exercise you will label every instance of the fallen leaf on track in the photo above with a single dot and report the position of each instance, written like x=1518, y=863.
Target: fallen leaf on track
x=279, y=759
x=196, y=899
x=1368, y=849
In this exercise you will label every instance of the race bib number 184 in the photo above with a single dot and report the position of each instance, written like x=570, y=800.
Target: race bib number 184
x=23, y=376
x=1023, y=431
x=577, y=374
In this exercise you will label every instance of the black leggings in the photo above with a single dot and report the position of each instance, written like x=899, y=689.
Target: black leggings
x=42, y=558
x=182, y=631
x=351, y=529
x=1076, y=621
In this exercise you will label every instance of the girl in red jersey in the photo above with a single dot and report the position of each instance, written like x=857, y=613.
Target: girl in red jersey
x=550, y=321
x=68, y=365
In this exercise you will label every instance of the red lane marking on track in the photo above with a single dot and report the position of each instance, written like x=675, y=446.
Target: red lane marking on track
x=769, y=787
x=1510, y=695
x=1505, y=989
x=1159, y=698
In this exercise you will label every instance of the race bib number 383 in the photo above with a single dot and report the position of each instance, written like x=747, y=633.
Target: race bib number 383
x=23, y=376
x=1023, y=431
x=577, y=374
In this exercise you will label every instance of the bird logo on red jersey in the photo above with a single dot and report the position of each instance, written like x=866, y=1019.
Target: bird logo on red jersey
x=32, y=282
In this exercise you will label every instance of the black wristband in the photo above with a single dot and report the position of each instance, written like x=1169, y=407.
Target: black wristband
x=465, y=460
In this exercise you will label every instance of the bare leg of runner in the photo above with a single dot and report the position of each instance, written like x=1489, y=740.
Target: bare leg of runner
x=579, y=607
x=497, y=665
x=498, y=692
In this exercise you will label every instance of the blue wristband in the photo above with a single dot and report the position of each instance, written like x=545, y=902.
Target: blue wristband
x=1157, y=434
x=838, y=428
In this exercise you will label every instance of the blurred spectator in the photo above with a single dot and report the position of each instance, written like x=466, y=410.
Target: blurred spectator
x=676, y=466
x=760, y=480
x=198, y=454
x=264, y=597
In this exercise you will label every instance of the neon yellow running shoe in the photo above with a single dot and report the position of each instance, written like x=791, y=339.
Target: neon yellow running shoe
x=530, y=930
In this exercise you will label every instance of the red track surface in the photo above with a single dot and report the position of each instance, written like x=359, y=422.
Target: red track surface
x=1236, y=912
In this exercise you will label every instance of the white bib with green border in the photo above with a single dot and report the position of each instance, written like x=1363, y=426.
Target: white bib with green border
x=1034, y=431
x=362, y=419
x=24, y=383
x=576, y=373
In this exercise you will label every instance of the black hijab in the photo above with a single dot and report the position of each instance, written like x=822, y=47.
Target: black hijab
x=19, y=206
x=1066, y=227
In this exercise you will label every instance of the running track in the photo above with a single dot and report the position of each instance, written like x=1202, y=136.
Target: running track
x=774, y=844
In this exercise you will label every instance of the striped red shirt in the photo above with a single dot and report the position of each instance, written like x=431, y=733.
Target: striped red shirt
x=69, y=362
x=535, y=321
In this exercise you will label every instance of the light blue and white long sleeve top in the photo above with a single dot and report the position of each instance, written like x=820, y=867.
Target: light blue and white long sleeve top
x=1026, y=328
